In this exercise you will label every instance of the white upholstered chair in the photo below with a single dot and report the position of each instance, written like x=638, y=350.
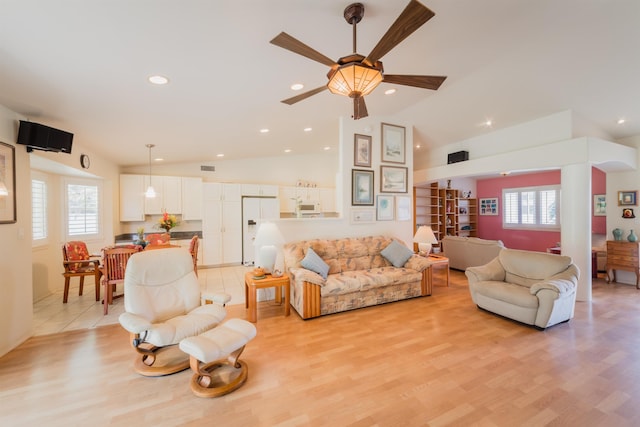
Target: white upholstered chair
x=163, y=306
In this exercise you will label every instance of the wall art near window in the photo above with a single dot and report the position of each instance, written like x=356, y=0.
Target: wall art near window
x=362, y=150
x=489, y=206
x=393, y=144
x=361, y=187
x=403, y=208
x=627, y=198
x=600, y=205
x=385, y=208
x=363, y=216
x=393, y=179
x=7, y=183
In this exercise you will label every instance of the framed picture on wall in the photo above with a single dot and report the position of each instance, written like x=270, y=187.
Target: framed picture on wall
x=403, y=208
x=385, y=208
x=627, y=198
x=362, y=150
x=600, y=205
x=7, y=183
x=393, y=179
x=489, y=206
x=361, y=187
x=393, y=144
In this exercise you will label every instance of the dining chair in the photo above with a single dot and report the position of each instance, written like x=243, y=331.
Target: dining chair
x=193, y=249
x=114, y=263
x=78, y=263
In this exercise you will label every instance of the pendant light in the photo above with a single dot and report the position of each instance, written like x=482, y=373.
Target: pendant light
x=150, y=193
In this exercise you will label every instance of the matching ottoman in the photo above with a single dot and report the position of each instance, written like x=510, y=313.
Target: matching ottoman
x=214, y=358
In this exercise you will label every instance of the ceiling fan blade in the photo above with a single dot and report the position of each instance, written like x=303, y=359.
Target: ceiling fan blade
x=359, y=108
x=411, y=18
x=424, y=82
x=288, y=42
x=297, y=98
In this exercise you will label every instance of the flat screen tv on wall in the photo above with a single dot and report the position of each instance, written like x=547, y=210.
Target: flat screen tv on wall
x=40, y=137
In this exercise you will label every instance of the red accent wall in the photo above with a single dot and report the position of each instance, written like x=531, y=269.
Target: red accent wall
x=490, y=227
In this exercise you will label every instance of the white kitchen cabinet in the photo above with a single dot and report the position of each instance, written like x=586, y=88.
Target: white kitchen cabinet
x=260, y=190
x=327, y=198
x=168, y=195
x=191, y=199
x=287, y=199
x=221, y=223
x=308, y=194
x=132, y=197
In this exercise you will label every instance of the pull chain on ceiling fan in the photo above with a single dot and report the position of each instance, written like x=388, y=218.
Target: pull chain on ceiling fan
x=355, y=75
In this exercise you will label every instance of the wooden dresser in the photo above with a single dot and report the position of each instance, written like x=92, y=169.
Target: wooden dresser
x=622, y=255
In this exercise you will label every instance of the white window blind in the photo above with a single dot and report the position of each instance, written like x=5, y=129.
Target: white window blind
x=532, y=207
x=39, y=209
x=83, y=210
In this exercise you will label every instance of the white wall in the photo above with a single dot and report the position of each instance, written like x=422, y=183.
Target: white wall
x=16, y=312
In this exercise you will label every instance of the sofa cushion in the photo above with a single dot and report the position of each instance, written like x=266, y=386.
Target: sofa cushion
x=313, y=262
x=356, y=281
x=507, y=292
x=396, y=253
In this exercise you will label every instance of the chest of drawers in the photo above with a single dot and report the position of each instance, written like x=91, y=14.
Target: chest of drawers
x=622, y=255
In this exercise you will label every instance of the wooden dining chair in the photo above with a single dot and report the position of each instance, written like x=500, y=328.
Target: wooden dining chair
x=114, y=263
x=193, y=250
x=78, y=263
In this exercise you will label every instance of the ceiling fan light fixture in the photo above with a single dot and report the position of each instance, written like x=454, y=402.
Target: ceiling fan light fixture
x=354, y=80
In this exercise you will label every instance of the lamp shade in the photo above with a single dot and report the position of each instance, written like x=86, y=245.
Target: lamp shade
x=267, y=238
x=424, y=237
x=354, y=80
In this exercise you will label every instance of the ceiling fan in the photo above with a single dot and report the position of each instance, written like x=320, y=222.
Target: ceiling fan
x=355, y=75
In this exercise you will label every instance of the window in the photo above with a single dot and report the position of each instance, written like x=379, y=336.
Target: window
x=532, y=207
x=38, y=210
x=83, y=209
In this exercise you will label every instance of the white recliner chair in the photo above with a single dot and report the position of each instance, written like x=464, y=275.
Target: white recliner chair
x=535, y=288
x=163, y=306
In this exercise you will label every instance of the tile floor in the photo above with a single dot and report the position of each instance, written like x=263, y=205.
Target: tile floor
x=50, y=315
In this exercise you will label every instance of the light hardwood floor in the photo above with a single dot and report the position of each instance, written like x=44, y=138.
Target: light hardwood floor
x=432, y=361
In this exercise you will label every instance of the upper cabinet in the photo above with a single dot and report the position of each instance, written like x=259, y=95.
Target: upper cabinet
x=168, y=195
x=325, y=197
x=259, y=190
x=191, y=199
x=132, y=197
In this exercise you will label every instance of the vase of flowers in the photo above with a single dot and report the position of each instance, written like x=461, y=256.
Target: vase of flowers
x=167, y=222
x=140, y=239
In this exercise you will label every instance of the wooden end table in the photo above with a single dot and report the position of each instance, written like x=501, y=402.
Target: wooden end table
x=441, y=262
x=251, y=289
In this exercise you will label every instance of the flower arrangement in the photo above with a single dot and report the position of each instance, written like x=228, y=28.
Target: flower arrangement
x=167, y=222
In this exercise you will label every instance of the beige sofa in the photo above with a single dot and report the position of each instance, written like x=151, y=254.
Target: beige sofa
x=466, y=252
x=359, y=275
x=535, y=288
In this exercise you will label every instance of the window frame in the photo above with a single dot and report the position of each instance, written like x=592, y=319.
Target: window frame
x=536, y=226
x=67, y=181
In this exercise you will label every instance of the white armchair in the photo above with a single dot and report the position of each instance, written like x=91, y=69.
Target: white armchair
x=535, y=288
x=163, y=306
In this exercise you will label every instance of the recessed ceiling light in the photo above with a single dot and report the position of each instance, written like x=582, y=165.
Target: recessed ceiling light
x=418, y=146
x=308, y=129
x=159, y=80
x=505, y=173
x=158, y=159
x=265, y=130
x=288, y=150
x=297, y=86
x=327, y=148
x=488, y=123
x=389, y=91
x=220, y=155
x=621, y=121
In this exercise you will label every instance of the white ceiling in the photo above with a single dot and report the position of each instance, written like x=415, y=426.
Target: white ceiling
x=82, y=65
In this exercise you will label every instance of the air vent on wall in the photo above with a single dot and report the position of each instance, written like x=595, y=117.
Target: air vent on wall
x=208, y=168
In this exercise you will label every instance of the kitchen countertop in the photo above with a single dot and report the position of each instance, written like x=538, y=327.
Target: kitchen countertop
x=175, y=235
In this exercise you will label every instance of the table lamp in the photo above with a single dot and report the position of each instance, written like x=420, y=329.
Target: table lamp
x=268, y=237
x=424, y=238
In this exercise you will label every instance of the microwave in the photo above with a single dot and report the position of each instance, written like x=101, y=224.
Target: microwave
x=309, y=208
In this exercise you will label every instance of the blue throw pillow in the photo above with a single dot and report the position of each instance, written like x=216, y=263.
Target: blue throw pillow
x=313, y=262
x=396, y=253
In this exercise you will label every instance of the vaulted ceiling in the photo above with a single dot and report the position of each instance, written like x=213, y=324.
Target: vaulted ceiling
x=82, y=66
